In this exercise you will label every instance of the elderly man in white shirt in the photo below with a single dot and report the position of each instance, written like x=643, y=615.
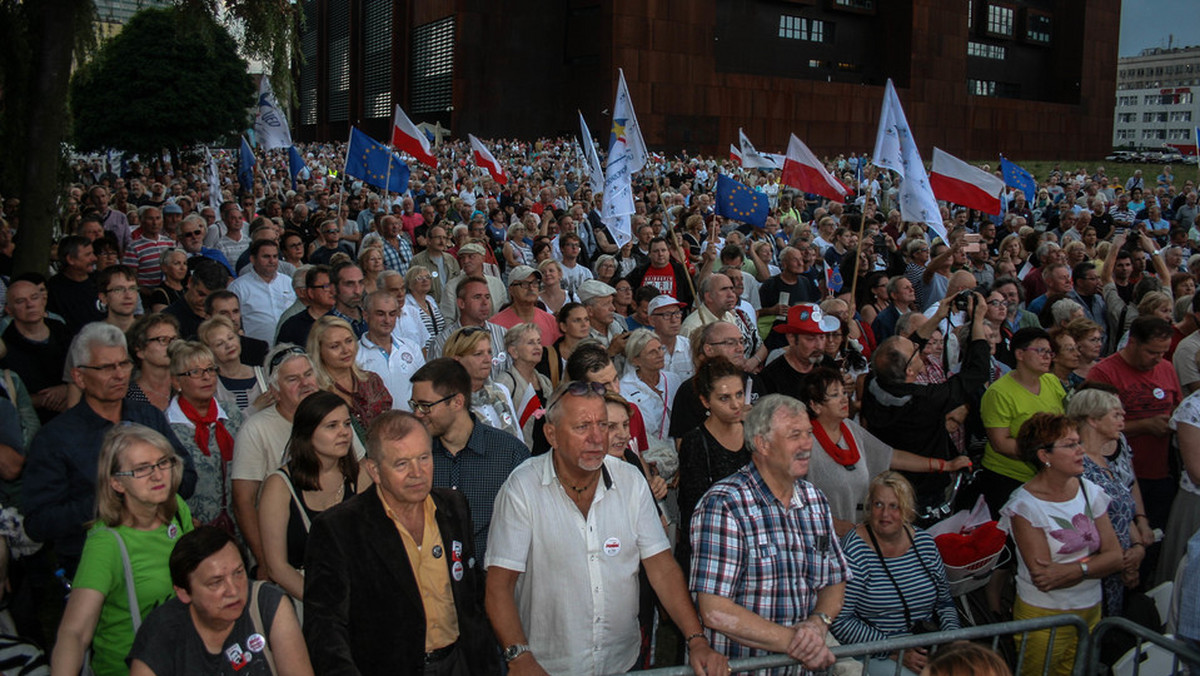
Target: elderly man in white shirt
x=394, y=358
x=264, y=293
x=666, y=316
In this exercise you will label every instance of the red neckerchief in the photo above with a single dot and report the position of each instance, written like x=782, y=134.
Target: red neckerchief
x=847, y=457
x=224, y=440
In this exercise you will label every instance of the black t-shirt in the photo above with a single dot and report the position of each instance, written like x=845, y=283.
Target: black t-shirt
x=39, y=363
x=189, y=322
x=687, y=413
x=76, y=302
x=169, y=645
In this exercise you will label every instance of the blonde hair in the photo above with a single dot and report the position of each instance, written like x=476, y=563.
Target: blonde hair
x=184, y=353
x=905, y=497
x=464, y=341
x=110, y=505
x=313, y=347
x=208, y=326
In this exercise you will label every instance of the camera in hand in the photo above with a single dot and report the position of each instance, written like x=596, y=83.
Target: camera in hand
x=962, y=300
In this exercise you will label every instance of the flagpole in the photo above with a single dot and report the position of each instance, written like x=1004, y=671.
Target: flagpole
x=862, y=226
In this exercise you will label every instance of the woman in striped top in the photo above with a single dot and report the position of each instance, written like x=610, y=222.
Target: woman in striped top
x=888, y=554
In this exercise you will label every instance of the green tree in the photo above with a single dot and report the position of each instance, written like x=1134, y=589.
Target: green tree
x=39, y=42
x=163, y=82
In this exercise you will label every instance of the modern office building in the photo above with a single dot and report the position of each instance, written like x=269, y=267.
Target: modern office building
x=1028, y=78
x=111, y=15
x=1156, y=99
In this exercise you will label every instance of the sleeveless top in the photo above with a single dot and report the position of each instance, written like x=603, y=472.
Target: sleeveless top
x=297, y=529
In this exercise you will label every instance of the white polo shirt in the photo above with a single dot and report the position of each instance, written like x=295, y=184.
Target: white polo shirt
x=394, y=368
x=263, y=303
x=577, y=594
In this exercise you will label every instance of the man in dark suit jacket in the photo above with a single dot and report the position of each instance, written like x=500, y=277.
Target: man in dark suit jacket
x=365, y=610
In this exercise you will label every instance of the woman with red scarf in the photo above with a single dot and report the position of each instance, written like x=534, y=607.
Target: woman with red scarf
x=206, y=430
x=845, y=456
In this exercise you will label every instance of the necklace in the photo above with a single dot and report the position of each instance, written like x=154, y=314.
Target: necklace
x=578, y=490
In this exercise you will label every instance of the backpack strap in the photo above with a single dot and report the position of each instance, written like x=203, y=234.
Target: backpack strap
x=256, y=619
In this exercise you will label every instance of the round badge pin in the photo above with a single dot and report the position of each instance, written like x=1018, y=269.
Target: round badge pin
x=172, y=531
x=1159, y=393
x=457, y=571
x=256, y=642
x=437, y=551
x=612, y=547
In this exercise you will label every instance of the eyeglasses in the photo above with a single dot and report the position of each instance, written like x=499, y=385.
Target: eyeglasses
x=423, y=407
x=330, y=232
x=143, y=471
x=1066, y=447
x=193, y=233
x=162, y=340
x=122, y=290
x=200, y=373
x=674, y=314
x=422, y=278
x=1040, y=351
x=109, y=369
x=281, y=356
x=578, y=388
x=728, y=342
x=996, y=303
x=527, y=284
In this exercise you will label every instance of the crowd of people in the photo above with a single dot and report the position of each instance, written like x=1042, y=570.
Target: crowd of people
x=319, y=428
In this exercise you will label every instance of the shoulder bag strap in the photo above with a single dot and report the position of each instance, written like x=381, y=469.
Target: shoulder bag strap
x=707, y=453
x=883, y=562
x=134, y=610
x=296, y=498
x=12, y=388
x=262, y=380
x=256, y=619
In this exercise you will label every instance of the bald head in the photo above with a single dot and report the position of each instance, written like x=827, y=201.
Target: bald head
x=960, y=281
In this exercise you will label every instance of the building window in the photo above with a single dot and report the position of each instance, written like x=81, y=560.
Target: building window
x=1151, y=99
x=981, y=87
x=1125, y=135
x=308, y=74
x=432, y=67
x=800, y=28
x=1154, y=134
x=1037, y=27
x=338, y=61
x=815, y=63
x=1000, y=21
x=1179, y=135
x=986, y=51
x=864, y=6
x=1127, y=101
x=1181, y=116
x=1126, y=117
x=1154, y=117
x=377, y=59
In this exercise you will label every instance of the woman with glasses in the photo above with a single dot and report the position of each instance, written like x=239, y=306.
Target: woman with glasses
x=1066, y=358
x=523, y=343
x=845, y=455
x=606, y=269
x=333, y=348
x=873, y=297
x=1065, y=539
x=516, y=251
x=322, y=470
x=238, y=385
x=419, y=282
x=139, y=517
x=370, y=259
x=471, y=346
x=623, y=305
x=649, y=385
x=148, y=340
x=174, y=277
x=206, y=430
x=898, y=585
x=1089, y=340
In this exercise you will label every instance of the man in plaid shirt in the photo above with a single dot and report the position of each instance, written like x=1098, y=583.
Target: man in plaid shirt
x=767, y=568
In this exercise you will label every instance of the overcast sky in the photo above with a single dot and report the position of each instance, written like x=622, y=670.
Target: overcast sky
x=1148, y=23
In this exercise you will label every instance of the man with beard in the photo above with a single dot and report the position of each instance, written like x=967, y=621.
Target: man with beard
x=805, y=331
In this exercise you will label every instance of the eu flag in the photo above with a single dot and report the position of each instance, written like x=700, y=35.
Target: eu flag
x=246, y=166
x=1016, y=177
x=737, y=202
x=374, y=163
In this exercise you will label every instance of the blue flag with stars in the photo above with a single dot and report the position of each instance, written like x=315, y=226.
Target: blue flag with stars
x=737, y=202
x=246, y=166
x=374, y=163
x=1017, y=177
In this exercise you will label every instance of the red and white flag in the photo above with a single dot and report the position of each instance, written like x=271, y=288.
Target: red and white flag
x=406, y=137
x=802, y=170
x=483, y=158
x=527, y=406
x=956, y=181
x=735, y=154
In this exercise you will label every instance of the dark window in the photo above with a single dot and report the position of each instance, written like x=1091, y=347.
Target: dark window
x=377, y=59
x=338, y=61
x=308, y=72
x=432, y=67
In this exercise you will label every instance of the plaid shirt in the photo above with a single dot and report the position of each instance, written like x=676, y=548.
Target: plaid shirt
x=397, y=258
x=769, y=558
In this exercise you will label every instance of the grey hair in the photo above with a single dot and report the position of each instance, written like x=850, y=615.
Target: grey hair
x=1045, y=248
x=299, y=279
x=377, y=296
x=142, y=210
x=1063, y=309
x=514, y=335
x=1089, y=404
x=904, y=323
x=636, y=342
x=762, y=415
x=95, y=334
x=166, y=254
x=386, y=275
x=273, y=373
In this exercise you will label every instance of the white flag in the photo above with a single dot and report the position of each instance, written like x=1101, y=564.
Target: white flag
x=270, y=126
x=751, y=158
x=214, y=182
x=591, y=158
x=626, y=156
x=896, y=149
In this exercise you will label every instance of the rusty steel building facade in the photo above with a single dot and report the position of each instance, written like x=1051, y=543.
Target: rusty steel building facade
x=1028, y=78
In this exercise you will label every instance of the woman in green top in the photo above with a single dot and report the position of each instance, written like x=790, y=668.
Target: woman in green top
x=139, y=518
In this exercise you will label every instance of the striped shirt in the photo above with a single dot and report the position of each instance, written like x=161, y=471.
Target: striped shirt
x=145, y=256
x=770, y=558
x=872, y=609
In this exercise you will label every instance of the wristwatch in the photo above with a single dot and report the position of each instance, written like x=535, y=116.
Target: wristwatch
x=823, y=617
x=514, y=651
x=1084, y=567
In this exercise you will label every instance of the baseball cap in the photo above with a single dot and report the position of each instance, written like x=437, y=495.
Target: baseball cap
x=808, y=318
x=522, y=273
x=471, y=248
x=594, y=288
x=171, y=208
x=661, y=301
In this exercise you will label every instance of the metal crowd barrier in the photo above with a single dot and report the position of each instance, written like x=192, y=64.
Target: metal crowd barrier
x=1163, y=650
x=988, y=631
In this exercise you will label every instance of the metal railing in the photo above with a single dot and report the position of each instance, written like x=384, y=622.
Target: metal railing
x=1054, y=623
x=1179, y=651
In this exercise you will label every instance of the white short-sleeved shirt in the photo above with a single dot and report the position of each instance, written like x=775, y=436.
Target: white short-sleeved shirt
x=262, y=303
x=679, y=360
x=577, y=593
x=394, y=367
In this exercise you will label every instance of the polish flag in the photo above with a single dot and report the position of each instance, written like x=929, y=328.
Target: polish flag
x=484, y=159
x=528, y=405
x=735, y=154
x=406, y=137
x=802, y=170
x=956, y=181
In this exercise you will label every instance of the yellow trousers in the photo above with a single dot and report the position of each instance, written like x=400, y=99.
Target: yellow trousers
x=1037, y=646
